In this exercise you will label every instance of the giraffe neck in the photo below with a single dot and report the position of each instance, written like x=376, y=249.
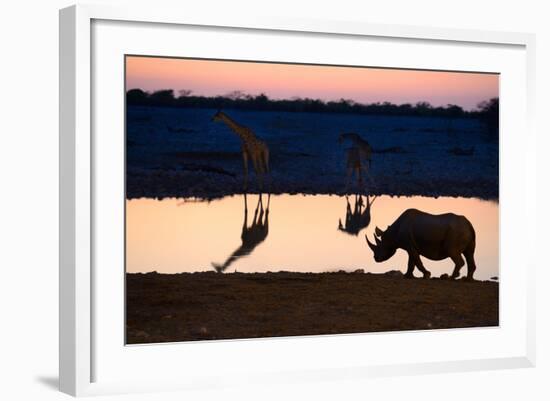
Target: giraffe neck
x=236, y=128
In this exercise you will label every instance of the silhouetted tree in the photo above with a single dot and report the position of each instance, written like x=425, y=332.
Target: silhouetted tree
x=489, y=114
x=261, y=98
x=164, y=97
x=235, y=95
x=452, y=110
x=423, y=108
x=137, y=97
x=185, y=92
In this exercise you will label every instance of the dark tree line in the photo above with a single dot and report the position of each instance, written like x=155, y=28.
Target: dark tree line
x=487, y=111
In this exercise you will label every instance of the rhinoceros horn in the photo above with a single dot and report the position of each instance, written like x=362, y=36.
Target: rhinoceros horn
x=378, y=232
x=371, y=245
x=377, y=240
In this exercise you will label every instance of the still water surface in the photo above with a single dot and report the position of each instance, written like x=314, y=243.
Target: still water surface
x=303, y=233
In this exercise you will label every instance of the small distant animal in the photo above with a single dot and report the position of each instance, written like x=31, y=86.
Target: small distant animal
x=252, y=148
x=435, y=237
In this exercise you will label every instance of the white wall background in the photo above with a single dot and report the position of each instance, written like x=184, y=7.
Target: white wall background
x=29, y=197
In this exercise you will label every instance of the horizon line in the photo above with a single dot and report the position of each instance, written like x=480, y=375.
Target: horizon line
x=298, y=98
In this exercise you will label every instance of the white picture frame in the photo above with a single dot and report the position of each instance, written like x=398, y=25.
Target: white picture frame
x=79, y=160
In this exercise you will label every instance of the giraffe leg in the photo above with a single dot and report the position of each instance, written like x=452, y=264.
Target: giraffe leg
x=266, y=157
x=255, y=218
x=261, y=215
x=348, y=178
x=265, y=160
x=266, y=216
x=245, y=222
x=367, y=174
x=371, y=180
x=262, y=180
x=259, y=171
x=245, y=165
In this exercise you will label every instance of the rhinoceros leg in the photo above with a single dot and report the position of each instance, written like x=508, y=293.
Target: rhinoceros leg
x=459, y=262
x=410, y=268
x=469, y=254
x=416, y=261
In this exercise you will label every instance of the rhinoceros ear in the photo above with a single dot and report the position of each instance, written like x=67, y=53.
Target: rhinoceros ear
x=378, y=232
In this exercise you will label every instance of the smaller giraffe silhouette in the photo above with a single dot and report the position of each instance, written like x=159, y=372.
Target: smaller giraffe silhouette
x=252, y=148
x=364, y=148
x=354, y=163
x=357, y=157
x=251, y=236
x=359, y=218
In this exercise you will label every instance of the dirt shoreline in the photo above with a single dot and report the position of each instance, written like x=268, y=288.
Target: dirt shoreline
x=210, y=306
x=176, y=184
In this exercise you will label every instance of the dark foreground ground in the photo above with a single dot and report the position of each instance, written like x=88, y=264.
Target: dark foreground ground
x=208, y=306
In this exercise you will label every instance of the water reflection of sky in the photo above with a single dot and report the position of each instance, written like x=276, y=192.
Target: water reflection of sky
x=172, y=235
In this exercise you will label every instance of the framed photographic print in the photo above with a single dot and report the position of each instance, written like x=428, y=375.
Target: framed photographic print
x=277, y=199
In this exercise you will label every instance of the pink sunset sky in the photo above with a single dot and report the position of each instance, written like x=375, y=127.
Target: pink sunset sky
x=285, y=81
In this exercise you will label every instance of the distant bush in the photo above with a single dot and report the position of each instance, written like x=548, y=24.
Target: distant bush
x=241, y=101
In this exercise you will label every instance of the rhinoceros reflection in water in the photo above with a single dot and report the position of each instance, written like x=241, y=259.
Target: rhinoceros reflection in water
x=435, y=237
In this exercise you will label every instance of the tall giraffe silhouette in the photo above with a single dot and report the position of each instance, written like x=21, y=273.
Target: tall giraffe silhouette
x=251, y=236
x=252, y=148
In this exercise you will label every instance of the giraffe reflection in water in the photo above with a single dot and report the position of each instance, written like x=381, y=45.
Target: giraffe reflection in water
x=251, y=236
x=359, y=217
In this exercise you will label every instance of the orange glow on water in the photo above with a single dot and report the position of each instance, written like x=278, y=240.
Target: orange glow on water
x=170, y=236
